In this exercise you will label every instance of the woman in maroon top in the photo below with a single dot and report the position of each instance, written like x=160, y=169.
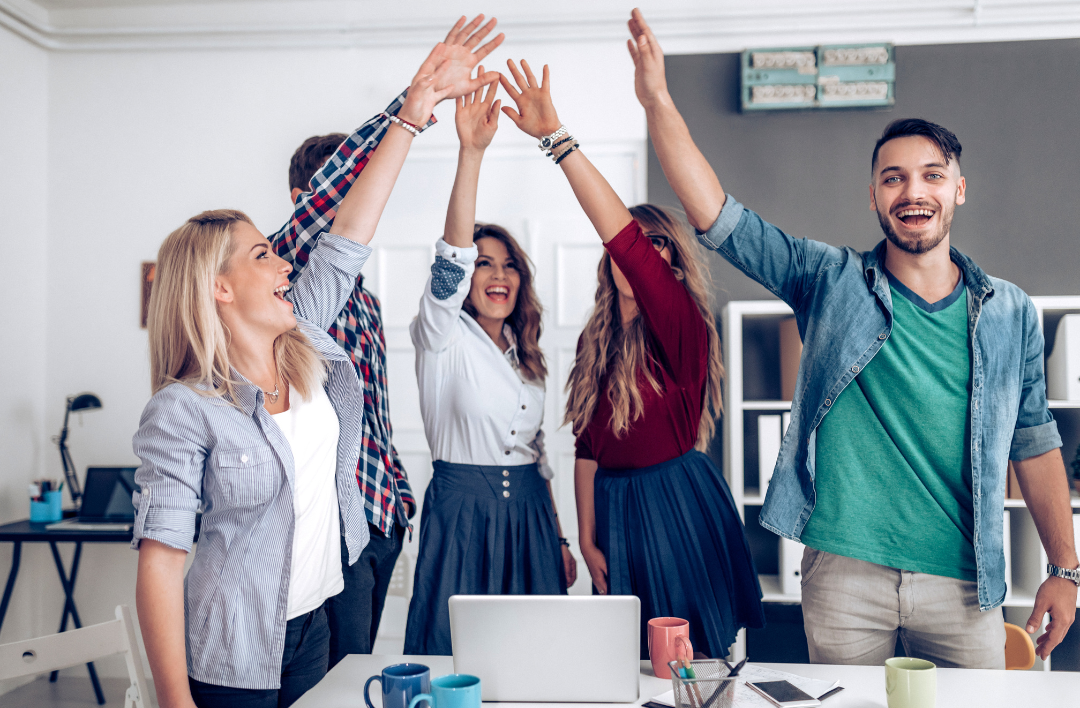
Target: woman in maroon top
x=655, y=516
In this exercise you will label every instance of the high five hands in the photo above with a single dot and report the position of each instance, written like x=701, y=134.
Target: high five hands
x=650, y=83
x=535, y=113
x=477, y=115
x=447, y=71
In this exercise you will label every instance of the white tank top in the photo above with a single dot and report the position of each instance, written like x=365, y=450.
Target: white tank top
x=312, y=431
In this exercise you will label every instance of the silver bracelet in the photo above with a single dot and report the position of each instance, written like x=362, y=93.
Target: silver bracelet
x=548, y=140
x=404, y=124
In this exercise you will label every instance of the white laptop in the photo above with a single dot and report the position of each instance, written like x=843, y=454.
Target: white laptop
x=549, y=648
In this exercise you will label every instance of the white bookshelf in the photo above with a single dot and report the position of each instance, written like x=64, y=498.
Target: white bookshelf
x=1028, y=558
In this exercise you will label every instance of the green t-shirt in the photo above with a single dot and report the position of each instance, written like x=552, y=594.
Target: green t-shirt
x=893, y=468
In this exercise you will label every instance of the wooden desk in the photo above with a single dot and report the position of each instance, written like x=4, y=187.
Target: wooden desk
x=864, y=686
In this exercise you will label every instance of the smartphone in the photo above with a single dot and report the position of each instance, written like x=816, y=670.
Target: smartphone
x=784, y=694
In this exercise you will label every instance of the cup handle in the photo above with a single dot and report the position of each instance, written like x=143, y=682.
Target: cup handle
x=422, y=697
x=367, y=698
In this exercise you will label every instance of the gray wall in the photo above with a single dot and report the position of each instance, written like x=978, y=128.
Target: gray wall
x=1015, y=107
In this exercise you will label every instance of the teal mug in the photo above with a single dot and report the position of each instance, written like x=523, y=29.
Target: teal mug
x=452, y=691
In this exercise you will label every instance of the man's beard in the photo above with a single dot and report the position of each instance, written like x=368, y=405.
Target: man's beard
x=919, y=244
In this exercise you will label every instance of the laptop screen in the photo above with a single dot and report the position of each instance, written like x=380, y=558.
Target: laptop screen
x=107, y=495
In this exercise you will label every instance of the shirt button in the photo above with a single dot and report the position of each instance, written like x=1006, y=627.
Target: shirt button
x=506, y=483
x=855, y=369
x=513, y=432
x=244, y=459
x=523, y=407
x=828, y=401
x=882, y=336
x=506, y=473
x=506, y=494
x=507, y=452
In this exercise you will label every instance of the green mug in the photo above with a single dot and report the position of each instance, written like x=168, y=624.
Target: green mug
x=910, y=683
x=451, y=691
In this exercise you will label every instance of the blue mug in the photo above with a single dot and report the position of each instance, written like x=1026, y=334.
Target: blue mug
x=400, y=684
x=452, y=691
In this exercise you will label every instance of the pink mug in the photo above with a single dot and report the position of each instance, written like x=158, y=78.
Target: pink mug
x=662, y=642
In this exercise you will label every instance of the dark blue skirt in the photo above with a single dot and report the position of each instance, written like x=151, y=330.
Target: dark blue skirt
x=672, y=536
x=485, y=531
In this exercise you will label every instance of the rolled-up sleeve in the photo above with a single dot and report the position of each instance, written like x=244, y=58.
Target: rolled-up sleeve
x=1036, y=430
x=172, y=444
x=447, y=288
x=329, y=278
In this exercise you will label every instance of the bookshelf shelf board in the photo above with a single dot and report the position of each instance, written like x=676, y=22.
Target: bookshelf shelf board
x=1054, y=403
x=770, y=590
x=1020, y=503
x=771, y=405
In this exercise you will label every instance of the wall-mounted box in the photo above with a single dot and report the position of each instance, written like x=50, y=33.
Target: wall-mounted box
x=1063, y=364
x=830, y=76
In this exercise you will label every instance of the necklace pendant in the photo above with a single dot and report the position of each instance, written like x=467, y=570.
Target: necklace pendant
x=273, y=396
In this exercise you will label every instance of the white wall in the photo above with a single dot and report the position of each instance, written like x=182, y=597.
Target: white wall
x=24, y=429
x=139, y=141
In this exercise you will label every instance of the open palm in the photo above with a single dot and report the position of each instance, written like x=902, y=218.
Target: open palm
x=477, y=117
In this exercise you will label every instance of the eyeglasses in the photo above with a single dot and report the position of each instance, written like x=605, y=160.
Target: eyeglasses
x=659, y=241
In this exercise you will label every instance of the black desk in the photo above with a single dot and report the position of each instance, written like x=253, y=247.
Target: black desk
x=20, y=532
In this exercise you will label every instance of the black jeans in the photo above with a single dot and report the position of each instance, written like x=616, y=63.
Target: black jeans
x=354, y=613
x=303, y=664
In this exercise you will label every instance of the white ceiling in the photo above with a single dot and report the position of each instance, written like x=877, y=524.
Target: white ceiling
x=682, y=25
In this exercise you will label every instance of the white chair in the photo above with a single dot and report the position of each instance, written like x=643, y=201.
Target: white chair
x=80, y=646
x=402, y=577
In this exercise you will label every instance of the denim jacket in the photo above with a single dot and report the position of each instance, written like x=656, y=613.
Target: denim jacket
x=843, y=307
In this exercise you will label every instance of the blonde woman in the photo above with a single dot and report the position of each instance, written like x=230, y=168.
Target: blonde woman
x=255, y=419
x=489, y=523
x=655, y=517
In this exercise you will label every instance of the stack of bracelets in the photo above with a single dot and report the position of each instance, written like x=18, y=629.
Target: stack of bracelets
x=559, y=144
x=414, y=129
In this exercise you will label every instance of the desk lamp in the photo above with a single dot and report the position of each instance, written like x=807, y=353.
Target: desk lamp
x=78, y=404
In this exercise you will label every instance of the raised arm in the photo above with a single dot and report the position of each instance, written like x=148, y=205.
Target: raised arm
x=315, y=210
x=477, y=118
x=536, y=116
x=688, y=172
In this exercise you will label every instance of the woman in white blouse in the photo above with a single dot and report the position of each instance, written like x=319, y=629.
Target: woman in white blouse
x=489, y=524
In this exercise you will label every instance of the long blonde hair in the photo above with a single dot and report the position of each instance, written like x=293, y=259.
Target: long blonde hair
x=609, y=349
x=189, y=343
x=526, y=319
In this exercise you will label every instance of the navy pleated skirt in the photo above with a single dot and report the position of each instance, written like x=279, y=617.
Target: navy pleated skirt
x=486, y=530
x=672, y=536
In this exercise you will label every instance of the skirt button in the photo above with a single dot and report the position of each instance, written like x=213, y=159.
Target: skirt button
x=506, y=494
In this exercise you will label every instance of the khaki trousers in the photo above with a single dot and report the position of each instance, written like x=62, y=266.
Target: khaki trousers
x=853, y=611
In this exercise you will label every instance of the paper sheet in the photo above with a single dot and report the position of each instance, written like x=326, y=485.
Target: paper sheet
x=747, y=698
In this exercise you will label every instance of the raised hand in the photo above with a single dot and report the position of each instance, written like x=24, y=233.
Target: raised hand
x=535, y=113
x=447, y=71
x=477, y=117
x=650, y=82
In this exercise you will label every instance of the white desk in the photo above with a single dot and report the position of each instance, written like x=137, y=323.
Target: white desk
x=864, y=686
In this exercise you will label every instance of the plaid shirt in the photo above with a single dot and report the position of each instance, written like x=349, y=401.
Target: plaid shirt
x=358, y=328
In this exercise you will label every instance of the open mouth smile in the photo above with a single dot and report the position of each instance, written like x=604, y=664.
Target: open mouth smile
x=498, y=293
x=915, y=217
x=279, y=291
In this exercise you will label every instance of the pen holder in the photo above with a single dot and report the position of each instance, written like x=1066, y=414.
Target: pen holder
x=48, y=511
x=709, y=689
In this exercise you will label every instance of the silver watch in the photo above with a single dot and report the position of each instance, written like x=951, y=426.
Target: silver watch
x=548, y=140
x=1073, y=575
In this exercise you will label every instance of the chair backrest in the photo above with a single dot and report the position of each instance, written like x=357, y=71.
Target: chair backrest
x=1019, y=649
x=80, y=646
x=401, y=578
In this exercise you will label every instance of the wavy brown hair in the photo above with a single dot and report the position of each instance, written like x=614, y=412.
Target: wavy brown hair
x=524, y=321
x=189, y=343
x=607, y=349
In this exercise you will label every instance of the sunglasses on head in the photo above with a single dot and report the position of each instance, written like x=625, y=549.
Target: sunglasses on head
x=659, y=241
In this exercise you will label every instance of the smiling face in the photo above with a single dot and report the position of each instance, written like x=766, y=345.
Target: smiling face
x=250, y=292
x=915, y=191
x=495, y=282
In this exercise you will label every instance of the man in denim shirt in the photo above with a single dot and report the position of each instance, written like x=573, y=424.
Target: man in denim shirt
x=920, y=379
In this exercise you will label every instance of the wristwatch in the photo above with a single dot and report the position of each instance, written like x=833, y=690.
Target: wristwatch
x=1073, y=575
x=548, y=140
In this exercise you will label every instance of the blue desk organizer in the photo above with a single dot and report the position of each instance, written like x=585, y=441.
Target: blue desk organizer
x=48, y=511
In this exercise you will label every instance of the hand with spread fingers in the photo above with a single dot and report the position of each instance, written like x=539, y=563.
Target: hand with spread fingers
x=477, y=117
x=650, y=82
x=447, y=71
x=535, y=113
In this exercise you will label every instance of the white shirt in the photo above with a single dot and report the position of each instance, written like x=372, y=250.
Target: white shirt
x=311, y=427
x=477, y=408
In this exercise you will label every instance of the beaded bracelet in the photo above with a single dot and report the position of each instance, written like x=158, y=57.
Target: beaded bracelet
x=415, y=130
x=550, y=153
x=562, y=157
